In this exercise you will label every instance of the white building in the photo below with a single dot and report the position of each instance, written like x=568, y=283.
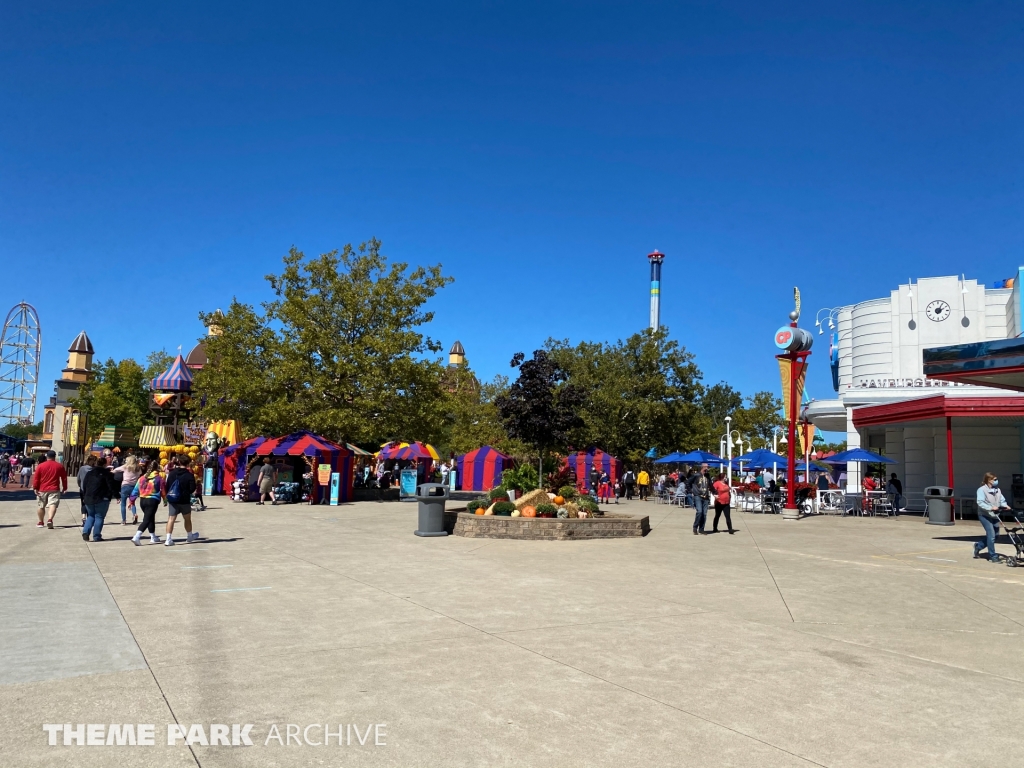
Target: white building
x=878, y=370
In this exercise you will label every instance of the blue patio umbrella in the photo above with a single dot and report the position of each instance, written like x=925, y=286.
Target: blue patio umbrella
x=700, y=457
x=762, y=457
x=672, y=458
x=859, y=454
x=651, y=453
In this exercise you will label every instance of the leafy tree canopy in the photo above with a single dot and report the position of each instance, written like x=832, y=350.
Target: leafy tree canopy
x=339, y=351
x=541, y=407
x=117, y=394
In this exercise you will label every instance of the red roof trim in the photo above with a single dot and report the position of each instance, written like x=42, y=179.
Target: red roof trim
x=937, y=406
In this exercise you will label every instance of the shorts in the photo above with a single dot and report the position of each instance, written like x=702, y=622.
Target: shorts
x=266, y=485
x=178, y=508
x=48, y=499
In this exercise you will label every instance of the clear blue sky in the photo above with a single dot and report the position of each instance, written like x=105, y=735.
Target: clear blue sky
x=157, y=159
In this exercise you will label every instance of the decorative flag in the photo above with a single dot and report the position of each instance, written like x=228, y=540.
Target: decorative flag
x=806, y=432
x=162, y=399
x=785, y=364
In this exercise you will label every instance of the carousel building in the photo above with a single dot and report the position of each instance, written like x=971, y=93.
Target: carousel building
x=944, y=426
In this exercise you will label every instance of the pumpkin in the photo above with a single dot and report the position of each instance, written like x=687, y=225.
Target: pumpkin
x=529, y=511
x=558, y=501
x=480, y=510
x=516, y=513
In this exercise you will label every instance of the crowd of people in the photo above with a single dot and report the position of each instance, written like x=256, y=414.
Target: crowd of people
x=140, y=482
x=16, y=467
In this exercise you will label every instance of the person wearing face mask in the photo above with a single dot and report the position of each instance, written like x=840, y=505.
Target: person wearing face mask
x=990, y=503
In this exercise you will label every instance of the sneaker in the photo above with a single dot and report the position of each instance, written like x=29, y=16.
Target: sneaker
x=137, y=539
x=993, y=559
x=40, y=524
x=49, y=524
x=97, y=538
x=977, y=550
x=85, y=537
x=154, y=539
x=194, y=536
x=169, y=542
x=695, y=533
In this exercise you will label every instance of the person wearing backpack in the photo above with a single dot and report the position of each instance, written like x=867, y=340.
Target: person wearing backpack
x=629, y=481
x=181, y=484
x=699, y=487
x=149, y=489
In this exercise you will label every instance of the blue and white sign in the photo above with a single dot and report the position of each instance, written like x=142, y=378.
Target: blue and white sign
x=335, y=487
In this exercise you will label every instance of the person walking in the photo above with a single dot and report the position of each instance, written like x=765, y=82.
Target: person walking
x=643, y=482
x=5, y=471
x=267, y=478
x=181, y=484
x=699, y=487
x=895, y=489
x=85, y=469
x=595, y=481
x=100, y=487
x=49, y=481
x=128, y=473
x=990, y=503
x=629, y=482
x=723, y=502
x=149, y=489
x=26, y=464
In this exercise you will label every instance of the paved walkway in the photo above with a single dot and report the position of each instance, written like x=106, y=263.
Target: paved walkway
x=832, y=642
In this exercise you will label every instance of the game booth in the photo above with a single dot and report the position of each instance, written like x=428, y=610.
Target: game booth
x=583, y=462
x=231, y=479
x=480, y=470
x=415, y=461
x=298, y=458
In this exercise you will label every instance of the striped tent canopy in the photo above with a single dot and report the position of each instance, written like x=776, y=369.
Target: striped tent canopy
x=581, y=463
x=480, y=470
x=231, y=458
x=115, y=436
x=319, y=450
x=408, y=451
x=228, y=430
x=157, y=437
x=357, y=450
x=177, y=378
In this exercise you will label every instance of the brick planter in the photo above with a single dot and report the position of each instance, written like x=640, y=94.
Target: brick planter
x=547, y=529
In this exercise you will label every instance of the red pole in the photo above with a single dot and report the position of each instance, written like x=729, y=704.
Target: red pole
x=949, y=451
x=791, y=472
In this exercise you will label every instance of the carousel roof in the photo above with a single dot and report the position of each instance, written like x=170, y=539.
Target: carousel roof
x=177, y=378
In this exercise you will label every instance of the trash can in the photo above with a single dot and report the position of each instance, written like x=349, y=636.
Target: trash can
x=431, y=498
x=940, y=504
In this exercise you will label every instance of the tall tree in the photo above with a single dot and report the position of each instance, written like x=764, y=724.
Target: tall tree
x=637, y=394
x=339, y=351
x=117, y=394
x=541, y=407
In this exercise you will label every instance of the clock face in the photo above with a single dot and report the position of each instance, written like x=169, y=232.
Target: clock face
x=938, y=310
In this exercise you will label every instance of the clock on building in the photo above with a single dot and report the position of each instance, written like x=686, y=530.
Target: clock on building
x=938, y=310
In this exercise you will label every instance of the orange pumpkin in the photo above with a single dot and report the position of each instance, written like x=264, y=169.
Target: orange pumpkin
x=480, y=510
x=529, y=511
x=558, y=501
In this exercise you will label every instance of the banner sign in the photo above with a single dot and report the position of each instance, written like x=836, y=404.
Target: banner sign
x=452, y=475
x=75, y=419
x=194, y=434
x=323, y=474
x=208, y=481
x=792, y=389
x=408, y=482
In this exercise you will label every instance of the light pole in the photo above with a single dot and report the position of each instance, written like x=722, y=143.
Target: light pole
x=794, y=344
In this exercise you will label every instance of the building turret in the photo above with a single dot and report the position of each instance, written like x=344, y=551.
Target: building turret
x=456, y=355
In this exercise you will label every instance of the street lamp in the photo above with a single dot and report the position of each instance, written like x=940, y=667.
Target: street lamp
x=833, y=313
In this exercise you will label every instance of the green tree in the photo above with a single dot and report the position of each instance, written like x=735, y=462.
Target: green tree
x=21, y=431
x=117, y=394
x=474, y=416
x=759, y=418
x=637, y=394
x=339, y=351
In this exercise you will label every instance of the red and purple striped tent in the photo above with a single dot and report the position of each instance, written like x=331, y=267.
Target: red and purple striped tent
x=581, y=463
x=319, y=450
x=232, y=460
x=408, y=452
x=177, y=378
x=480, y=470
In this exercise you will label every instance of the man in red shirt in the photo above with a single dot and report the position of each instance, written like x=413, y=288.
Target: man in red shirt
x=49, y=481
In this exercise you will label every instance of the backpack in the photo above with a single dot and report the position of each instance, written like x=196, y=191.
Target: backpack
x=146, y=486
x=174, y=492
x=630, y=478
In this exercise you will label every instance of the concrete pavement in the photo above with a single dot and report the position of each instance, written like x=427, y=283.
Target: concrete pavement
x=834, y=642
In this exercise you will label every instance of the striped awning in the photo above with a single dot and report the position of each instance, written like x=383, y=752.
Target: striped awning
x=177, y=378
x=300, y=443
x=228, y=430
x=356, y=450
x=116, y=437
x=157, y=437
x=408, y=451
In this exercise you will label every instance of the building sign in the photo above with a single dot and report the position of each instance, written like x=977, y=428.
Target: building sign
x=323, y=474
x=194, y=434
x=903, y=383
x=75, y=421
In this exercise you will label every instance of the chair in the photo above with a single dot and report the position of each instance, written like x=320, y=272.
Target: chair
x=882, y=505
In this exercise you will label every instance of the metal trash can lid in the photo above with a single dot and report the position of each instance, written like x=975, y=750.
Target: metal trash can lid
x=938, y=490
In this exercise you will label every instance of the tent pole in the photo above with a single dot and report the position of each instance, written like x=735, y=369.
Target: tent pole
x=949, y=451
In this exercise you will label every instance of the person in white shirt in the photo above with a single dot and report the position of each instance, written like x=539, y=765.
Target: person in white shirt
x=990, y=502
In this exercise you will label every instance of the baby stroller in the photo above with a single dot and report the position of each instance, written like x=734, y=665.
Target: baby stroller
x=1016, y=535
x=288, y=493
